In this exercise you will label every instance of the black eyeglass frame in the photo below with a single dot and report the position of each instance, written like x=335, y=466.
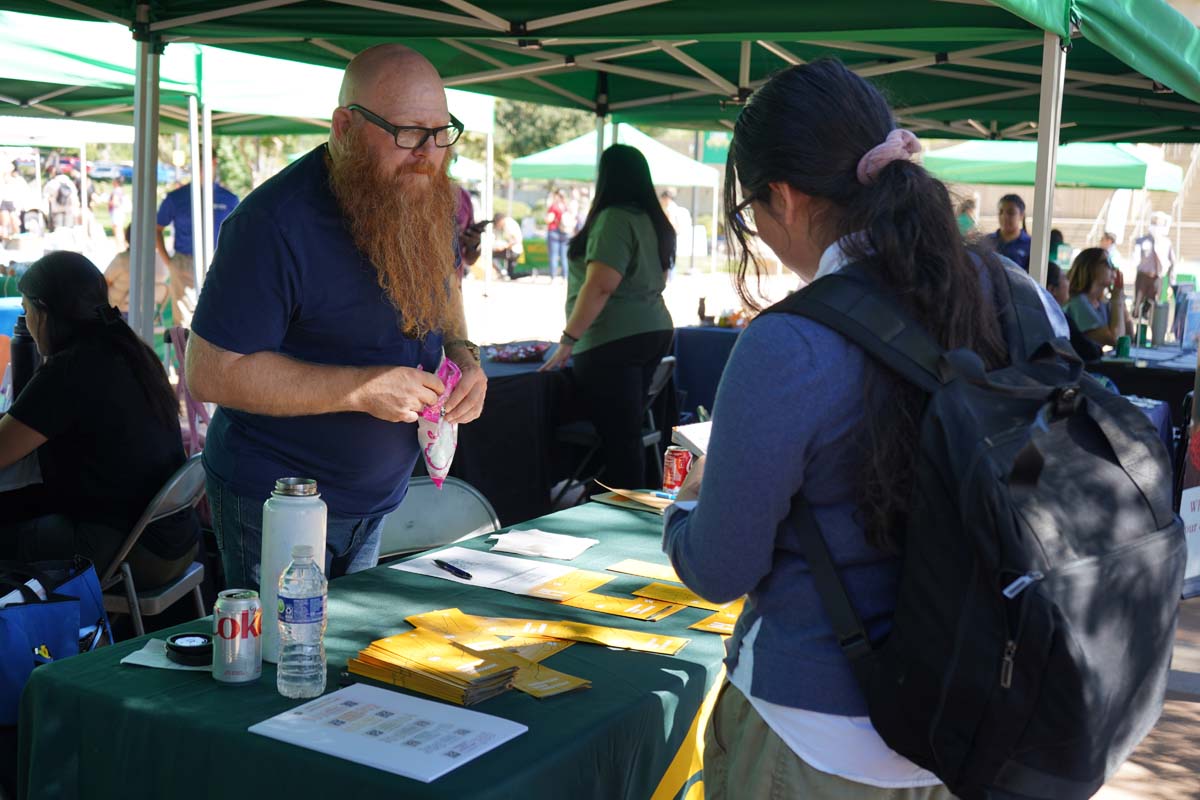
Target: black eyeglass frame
x=739, y=215
x=370, y=116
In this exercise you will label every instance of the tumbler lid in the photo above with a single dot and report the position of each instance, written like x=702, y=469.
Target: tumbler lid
x=296, y=487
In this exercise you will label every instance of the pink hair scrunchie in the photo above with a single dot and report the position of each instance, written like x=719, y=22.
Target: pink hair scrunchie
x=899, y=145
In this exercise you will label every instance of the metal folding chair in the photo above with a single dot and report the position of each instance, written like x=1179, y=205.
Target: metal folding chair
x=430, y=517
x=182, y=490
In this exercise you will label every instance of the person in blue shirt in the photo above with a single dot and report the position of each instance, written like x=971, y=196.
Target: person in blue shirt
x=825, y=180
x=176, y=212
x=1011, y=239
x=327, y=309
x=1102, y=320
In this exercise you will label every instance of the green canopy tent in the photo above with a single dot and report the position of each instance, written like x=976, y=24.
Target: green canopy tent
x=962, y=69
x=1080, y=164
x=576, y=161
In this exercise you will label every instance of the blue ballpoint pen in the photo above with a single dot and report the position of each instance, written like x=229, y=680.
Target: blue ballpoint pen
x=453, y=570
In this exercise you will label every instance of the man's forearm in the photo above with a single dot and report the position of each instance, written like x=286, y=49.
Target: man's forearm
x=275, y=385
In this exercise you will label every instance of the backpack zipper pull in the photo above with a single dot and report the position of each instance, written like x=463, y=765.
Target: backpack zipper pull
x=1022, y=583
x=1006, y=665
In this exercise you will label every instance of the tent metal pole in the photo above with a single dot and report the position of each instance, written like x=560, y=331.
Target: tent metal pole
x=712, y=250
x=696, y=154
x=599, y=144
x=145, y=179
x=489, y=211
x=85, y=210
x=197, y=212
x=206, y=191
x=1054, y=68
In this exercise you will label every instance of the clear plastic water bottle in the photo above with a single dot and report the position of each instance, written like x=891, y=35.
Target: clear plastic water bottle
x=302, y=593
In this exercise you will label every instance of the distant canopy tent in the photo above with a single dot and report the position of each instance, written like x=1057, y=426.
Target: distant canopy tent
x=576, y=161
x=968, y=70
x=1080, y=164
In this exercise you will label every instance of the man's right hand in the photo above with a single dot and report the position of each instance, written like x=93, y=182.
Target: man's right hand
x=397, y=394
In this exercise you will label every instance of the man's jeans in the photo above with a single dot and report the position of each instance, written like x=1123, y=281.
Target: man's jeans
x=351, y=543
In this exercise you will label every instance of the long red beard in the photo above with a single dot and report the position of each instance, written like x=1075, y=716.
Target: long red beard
x=405, y=228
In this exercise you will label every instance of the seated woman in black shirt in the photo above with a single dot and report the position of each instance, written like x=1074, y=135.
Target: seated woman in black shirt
x=105, y=424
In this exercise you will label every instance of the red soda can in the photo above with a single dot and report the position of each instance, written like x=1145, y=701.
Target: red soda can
x=676, y=465
x=237, y=636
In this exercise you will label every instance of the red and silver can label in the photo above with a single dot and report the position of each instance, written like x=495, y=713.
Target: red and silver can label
x=237, y=636
x=676, y=464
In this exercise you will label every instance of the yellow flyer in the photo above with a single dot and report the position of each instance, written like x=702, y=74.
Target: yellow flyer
x=632, y=607
x=580, y=632
x=685, y=596
x=536, y=679
x=645, y=569
x=430, y=652
x=720, y=622
x=569, y=585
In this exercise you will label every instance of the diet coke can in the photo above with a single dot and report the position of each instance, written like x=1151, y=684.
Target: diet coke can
x=237, y=636
x=676, y=465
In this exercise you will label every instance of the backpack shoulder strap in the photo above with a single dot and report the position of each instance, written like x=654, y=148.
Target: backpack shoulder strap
x=854, y=306
x=1022, y=314
x=847, y=626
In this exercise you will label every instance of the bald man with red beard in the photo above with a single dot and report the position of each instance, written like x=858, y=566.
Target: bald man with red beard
x=326, y=311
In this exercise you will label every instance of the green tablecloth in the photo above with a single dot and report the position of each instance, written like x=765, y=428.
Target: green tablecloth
x=93, y=728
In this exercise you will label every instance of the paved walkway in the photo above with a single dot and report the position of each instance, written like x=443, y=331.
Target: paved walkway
x=1167, y=764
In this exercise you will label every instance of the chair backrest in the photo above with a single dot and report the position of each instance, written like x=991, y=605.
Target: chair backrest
x=430, y=517
x=182, y=490
x=658, y=381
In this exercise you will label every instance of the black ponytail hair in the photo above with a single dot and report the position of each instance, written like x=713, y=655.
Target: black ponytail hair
x=624, y=180
x=808, y=127
x=73, y=295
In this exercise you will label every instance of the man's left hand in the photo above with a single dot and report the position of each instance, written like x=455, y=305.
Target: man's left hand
x=466, y=401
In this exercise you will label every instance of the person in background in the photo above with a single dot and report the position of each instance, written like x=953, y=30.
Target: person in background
x=826, y=180
x=1108, y=242
x=557, y=236
x=1156, y=259
x=1057, y=283
x=119, y=206
x=105, y=424
x=63, y=200
x=326, y=313
x=13, y=194
x=618, y=327
x=116, y=275
x=1011, y=239
x=507, y=245
x=966, y=215
x=468, y=233
x=1102, y=320
x=1060, y=251
x=175, y=212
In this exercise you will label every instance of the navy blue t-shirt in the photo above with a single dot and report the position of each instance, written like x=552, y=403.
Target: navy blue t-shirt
x=1018, y=249
x=176, y=210
x=287, y=278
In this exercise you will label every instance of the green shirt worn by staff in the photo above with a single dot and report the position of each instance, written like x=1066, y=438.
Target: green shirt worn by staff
x=625, y=240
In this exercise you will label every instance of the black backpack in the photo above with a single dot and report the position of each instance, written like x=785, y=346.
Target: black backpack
x=1042, y=561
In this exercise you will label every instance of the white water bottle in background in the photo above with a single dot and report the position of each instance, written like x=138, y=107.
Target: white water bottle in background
x=293, y=514
x=302, y=594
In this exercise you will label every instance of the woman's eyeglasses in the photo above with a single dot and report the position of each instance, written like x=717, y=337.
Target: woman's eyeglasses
x=743, y=215
x=411, y=137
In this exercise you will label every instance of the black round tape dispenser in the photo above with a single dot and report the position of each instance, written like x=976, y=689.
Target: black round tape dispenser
x=190, y=649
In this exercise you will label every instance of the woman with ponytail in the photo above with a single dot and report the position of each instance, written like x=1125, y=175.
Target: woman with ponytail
x=820, y=172
x=104, y=422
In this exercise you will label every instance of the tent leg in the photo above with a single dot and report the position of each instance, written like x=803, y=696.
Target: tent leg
x=712, y=251
x=197, y=202
x=145, y=178
x=1054, y=67
x=84, y=212
x=206, y=192
x=599, y=143
x=696, y=154
x=489, y=212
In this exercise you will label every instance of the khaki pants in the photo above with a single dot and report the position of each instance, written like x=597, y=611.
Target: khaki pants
x=183, y=277
x=745, y=760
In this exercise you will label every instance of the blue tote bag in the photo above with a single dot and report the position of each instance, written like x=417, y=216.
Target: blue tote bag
x=34, y=631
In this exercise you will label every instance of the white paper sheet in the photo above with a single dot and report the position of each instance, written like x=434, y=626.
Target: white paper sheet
x=15, y=596
x=154, y=654
x=543, y=544
x=390, y=731
x=508, y=574
x=694, y=437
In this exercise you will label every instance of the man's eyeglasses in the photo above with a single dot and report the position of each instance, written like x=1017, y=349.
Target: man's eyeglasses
x=411, y=137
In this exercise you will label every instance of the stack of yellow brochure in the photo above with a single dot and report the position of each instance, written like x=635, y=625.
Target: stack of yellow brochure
x=431, y=664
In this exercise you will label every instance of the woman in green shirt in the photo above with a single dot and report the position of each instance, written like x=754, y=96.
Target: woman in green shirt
x=618, y=327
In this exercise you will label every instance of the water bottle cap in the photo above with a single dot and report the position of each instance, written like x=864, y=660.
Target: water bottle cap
x=296, y=487
x=302, y=551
